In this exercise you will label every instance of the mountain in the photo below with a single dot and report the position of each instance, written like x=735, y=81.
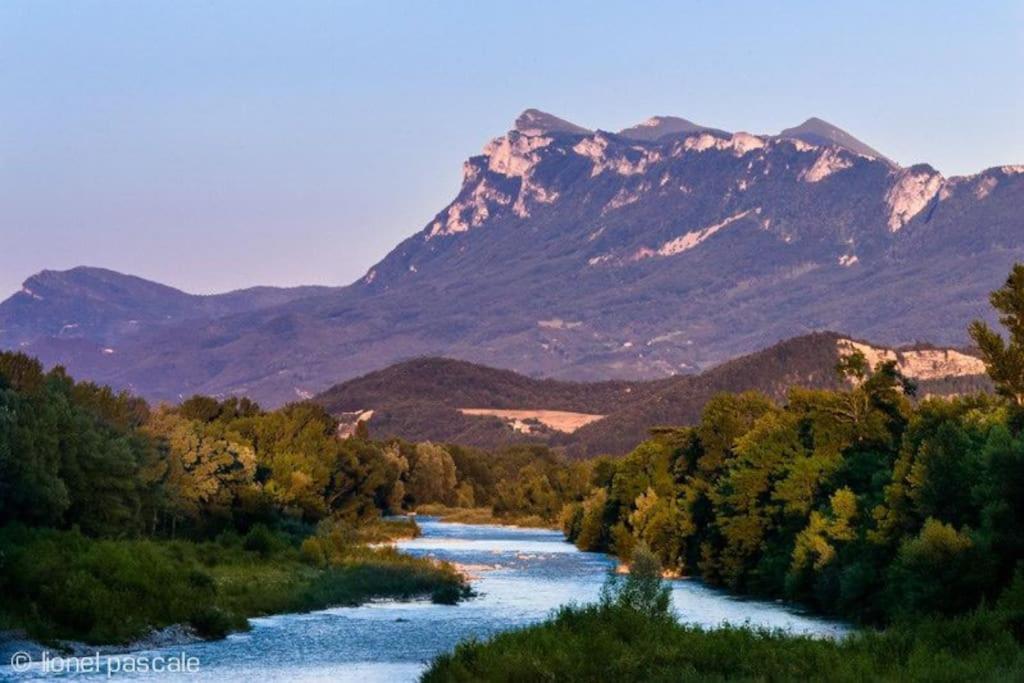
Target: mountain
x=61, y=315
x=536, y=122
x=442, y=399
x=816, y=132
x=658, y=127
x=588, y=255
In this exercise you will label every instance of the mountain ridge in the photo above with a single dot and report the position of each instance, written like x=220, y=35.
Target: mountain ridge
x=103, y=305
x=587, y=255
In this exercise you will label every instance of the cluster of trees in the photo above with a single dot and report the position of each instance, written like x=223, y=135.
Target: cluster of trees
x=117, y=518
x=859, y=502
x=76, y=455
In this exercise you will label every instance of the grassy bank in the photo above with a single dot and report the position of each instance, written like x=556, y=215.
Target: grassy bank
x=631, y=634
x=61, y=585
x=483, y=515
x=602, y=643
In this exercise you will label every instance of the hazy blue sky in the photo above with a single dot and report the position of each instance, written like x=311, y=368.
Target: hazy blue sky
x=214, y=145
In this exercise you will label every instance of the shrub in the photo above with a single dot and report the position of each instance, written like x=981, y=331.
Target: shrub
x=260, y=540
x=212, y=622
x=447, y=594
x=642, y=590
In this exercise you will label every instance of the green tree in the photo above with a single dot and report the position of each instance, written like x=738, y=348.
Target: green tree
x=1004, y=359
x=432, y=477
x=642, y=589
x=939, y=570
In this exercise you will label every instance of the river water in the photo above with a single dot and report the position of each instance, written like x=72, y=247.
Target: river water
x=521, y=575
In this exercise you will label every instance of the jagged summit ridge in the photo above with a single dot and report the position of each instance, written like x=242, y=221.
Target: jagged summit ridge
x=814, y=131
x=515, y=174
x=711, y=185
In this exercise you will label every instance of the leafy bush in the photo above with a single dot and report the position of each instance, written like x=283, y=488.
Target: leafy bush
x=212, y=622
x=260, y=540
x=642, y=590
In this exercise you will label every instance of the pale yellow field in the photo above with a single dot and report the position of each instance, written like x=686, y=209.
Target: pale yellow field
x=559, y=420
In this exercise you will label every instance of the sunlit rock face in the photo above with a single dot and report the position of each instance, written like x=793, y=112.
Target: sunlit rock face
x=670, y=245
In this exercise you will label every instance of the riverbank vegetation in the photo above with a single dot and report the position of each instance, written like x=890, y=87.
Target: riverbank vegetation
x=859, y=503
x=117, y=518
x=632, y=635
x=62, y=585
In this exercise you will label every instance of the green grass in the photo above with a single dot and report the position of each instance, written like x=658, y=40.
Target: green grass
x=61, y=585
x=615, y=643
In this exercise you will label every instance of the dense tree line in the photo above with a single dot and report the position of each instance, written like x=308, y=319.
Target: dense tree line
x=117, y=518
x=76, y=455
x=856, y=501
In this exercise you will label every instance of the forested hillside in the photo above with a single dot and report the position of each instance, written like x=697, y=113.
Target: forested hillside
x=424, y=398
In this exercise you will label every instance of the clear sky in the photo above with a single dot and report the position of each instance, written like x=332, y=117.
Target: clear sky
x=214, y=145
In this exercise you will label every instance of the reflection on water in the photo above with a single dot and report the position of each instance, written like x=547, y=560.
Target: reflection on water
x=520, y=575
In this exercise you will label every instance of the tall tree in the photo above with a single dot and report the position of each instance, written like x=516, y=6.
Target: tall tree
x=1004, y=359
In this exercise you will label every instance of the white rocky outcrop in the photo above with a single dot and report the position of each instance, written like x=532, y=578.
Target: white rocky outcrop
x=605, y=156
x=801, y=146
x=514, y=155
x=469, y=212
x=912, y=190
x=695, y=237
x=830, y=161
x=921, y=364
x=738, y=143
x=622, y=198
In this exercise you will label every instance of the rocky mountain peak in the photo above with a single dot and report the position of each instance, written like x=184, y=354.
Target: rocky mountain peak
x=659, y=126
x=537, y=122
x=815, y=131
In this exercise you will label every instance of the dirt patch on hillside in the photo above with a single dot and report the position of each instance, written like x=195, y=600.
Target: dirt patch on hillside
x=520, y=420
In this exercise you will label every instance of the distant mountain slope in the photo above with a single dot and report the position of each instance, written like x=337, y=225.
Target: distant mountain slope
x=590, y=255
x=85, y=308
x=424, y=399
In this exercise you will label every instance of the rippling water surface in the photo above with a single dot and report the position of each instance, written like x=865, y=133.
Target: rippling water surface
x=520, y=575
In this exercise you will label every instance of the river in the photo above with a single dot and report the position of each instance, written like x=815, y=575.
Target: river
x=520, y=576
